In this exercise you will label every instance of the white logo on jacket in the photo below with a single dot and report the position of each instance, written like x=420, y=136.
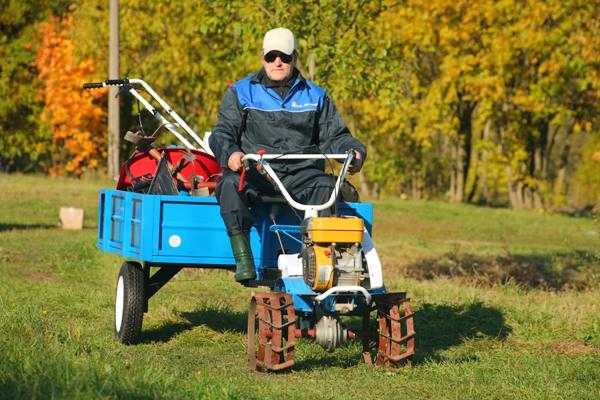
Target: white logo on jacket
x=296, y=105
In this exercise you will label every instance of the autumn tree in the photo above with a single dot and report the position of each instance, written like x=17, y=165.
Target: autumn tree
x=24, y=142
x=76, y=118
x=503, y=88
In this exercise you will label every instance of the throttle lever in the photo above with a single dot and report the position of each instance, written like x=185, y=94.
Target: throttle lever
x=242, y=179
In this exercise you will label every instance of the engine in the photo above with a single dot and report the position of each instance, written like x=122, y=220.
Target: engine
x=332, y=254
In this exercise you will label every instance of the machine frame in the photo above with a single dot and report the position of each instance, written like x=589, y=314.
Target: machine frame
x=167, y=233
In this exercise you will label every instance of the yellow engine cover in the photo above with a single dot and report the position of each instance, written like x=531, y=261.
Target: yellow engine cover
x=335, y=230
x=324, y=268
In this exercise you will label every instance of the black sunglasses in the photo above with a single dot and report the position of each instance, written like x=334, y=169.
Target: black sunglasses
x=272, y=55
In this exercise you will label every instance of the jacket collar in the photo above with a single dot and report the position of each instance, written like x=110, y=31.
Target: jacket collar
x=257, y=77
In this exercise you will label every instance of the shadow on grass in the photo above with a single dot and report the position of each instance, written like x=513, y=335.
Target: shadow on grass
x=346, y=356
x=442, y=326
x=438, y=327
x=554, y=271
x=24, y=227
x=219, y=320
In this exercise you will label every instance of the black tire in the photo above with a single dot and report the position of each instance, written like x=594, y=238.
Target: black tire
x=129, y=303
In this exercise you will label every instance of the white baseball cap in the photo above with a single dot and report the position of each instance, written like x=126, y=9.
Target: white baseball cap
x=281, y=39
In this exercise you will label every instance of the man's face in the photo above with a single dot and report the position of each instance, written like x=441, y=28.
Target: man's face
x=276, y=66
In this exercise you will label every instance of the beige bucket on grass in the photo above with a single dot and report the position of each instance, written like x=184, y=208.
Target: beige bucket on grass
x=71, y=218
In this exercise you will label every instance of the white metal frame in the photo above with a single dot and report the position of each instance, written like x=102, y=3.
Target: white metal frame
x=344, y=289
x=310, y=210
x=170, y=126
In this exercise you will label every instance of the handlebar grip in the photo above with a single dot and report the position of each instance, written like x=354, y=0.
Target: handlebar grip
x=242, y=180
x=117, y=81
x=93, y=85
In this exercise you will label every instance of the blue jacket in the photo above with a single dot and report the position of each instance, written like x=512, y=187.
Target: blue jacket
x=253, y=116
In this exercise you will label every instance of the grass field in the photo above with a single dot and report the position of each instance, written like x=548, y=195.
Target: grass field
x=508, y=307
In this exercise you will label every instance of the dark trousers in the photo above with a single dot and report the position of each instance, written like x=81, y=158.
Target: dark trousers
x=236, y=207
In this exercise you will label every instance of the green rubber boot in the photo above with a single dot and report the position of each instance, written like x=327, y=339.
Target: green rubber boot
x=244, y=271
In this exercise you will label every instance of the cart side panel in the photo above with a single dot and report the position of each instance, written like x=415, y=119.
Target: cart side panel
x=190, y=230
x=101, y=210
x=133, y=228
x=111, y=221
x=166, y=229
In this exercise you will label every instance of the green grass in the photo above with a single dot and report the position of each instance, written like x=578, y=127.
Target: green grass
x=508, y=307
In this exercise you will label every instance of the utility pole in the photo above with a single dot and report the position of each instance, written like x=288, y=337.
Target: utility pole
x=113, y=101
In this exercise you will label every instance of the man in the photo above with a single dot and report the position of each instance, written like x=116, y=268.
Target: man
x=278, y=111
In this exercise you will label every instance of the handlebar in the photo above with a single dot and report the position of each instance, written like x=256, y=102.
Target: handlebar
x=259, y=157
x=93, y=85
x=108, y=82
x=310, y=210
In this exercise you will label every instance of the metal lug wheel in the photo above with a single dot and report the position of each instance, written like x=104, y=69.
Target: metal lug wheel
x=395, y=339
x=271, y=335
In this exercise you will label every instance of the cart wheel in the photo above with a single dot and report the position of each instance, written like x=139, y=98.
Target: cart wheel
x=129, y=303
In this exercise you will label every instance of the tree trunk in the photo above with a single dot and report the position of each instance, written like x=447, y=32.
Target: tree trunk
x=459, y=189
x=515, y=190
x=474, y=177
x=484, y=160
x=462, y=150
x=113, y=102
x=560, y=184
x=417, y=185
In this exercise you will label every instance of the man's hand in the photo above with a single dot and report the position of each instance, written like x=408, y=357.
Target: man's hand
x=235, y=161
x=357, y=163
